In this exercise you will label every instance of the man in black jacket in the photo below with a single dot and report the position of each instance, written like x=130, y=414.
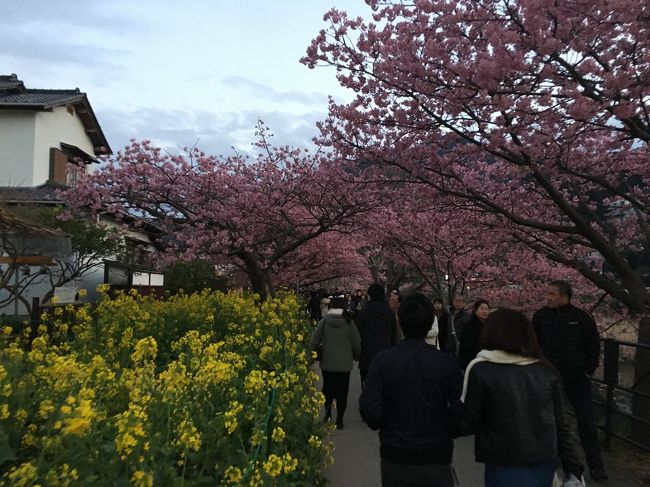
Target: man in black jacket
x=377, y=327
x=569, y=339
x=412, y=396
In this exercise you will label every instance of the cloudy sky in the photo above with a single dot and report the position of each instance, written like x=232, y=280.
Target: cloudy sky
x=178, y=72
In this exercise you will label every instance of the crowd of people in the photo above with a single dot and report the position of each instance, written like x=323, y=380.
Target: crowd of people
x=430, y=374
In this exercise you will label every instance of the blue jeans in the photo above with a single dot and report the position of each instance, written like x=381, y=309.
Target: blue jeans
x=536, y=475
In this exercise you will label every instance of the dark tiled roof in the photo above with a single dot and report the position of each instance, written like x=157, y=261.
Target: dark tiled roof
x=46, y=193
x=14, y=95
x=39, y=98
x=10, y=82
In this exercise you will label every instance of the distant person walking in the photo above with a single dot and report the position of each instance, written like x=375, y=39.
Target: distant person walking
x=337, y=337
x=515, y=405
x=324, y=304
x=441, y=324
x=471, y=335
x=394, y=301
x=377, y=327
x=411, y=396
x=569, y=339
x=457, y=317
x=314, y=307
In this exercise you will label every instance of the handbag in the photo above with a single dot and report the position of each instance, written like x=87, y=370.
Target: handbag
x=572, y=481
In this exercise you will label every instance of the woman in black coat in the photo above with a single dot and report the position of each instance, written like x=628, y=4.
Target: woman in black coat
x=471, y=334
x=514, y=404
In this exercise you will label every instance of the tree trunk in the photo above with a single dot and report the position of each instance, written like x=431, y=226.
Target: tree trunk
x=257, y=277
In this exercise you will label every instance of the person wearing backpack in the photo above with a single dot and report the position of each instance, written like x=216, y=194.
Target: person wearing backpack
x=337, y=338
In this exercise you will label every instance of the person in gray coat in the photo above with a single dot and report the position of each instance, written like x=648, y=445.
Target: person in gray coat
x=338, y=338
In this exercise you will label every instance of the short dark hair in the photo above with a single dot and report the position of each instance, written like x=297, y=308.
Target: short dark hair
x=416, y=315
x=510, y=331
x=339, y=302
x=563, y=287
x=478, y=303
x=376, y=293
x=438, y=300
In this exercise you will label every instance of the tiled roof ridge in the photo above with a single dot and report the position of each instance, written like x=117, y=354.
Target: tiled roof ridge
x=74, y=91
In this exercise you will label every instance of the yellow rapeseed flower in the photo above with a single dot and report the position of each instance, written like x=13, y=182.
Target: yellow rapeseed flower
x=145, y=349
x=23, y=475
x=20, y=415
x=278, y=434
x=142, y=479
x=188, y=436
x=289, y=464
x=273, y=465
x=233, y=475
x=315, y=441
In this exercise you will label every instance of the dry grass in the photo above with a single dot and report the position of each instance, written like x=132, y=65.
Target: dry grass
x=630, y=463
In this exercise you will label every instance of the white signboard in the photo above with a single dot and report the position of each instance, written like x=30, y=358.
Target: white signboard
x=148, y=279
x=140, y=278
x=65, y=294
x=157, y=280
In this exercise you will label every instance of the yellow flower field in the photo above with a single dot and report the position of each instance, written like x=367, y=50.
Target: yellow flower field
x=207, y=389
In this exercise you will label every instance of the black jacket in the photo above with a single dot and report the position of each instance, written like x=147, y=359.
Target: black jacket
x=469, y=341
x=378, y=328
x=460, y=319
x=314, y=308
x=518, y=415
x=569, y=339
x=412, y=395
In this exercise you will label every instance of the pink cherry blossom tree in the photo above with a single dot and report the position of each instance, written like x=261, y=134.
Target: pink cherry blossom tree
x=332, y=256
x=532, y=115
x=441, y=250
x=255, y=212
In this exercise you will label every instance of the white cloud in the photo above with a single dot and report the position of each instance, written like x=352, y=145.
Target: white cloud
x=176, y=72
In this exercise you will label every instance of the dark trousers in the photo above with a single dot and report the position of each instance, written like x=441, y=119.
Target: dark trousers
x=335, y=388
x=363, y=374
x=403, y=475
x=578, y=391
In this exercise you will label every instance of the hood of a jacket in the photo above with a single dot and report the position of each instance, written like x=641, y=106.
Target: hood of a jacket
x=335, y=318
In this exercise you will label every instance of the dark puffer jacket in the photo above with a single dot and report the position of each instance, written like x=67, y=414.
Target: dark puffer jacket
x=378, y=328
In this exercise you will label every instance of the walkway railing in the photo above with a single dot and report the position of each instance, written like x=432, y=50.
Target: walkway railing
x=617, y=395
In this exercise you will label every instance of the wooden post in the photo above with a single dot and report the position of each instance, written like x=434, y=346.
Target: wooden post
x=34, y=319
x=641, y=408
x=610, y=372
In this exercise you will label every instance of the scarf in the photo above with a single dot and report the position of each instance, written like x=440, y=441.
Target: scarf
x=335, y=312
x=496, y=357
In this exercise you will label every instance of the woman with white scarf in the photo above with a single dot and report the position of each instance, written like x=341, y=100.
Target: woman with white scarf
x=514, y=404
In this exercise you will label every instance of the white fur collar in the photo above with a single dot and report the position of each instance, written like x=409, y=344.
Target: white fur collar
x=335, y=312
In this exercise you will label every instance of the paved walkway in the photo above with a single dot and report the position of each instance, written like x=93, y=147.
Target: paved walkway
x=356, y=454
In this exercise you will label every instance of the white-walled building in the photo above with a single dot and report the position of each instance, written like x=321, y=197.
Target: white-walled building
x=41, y=130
